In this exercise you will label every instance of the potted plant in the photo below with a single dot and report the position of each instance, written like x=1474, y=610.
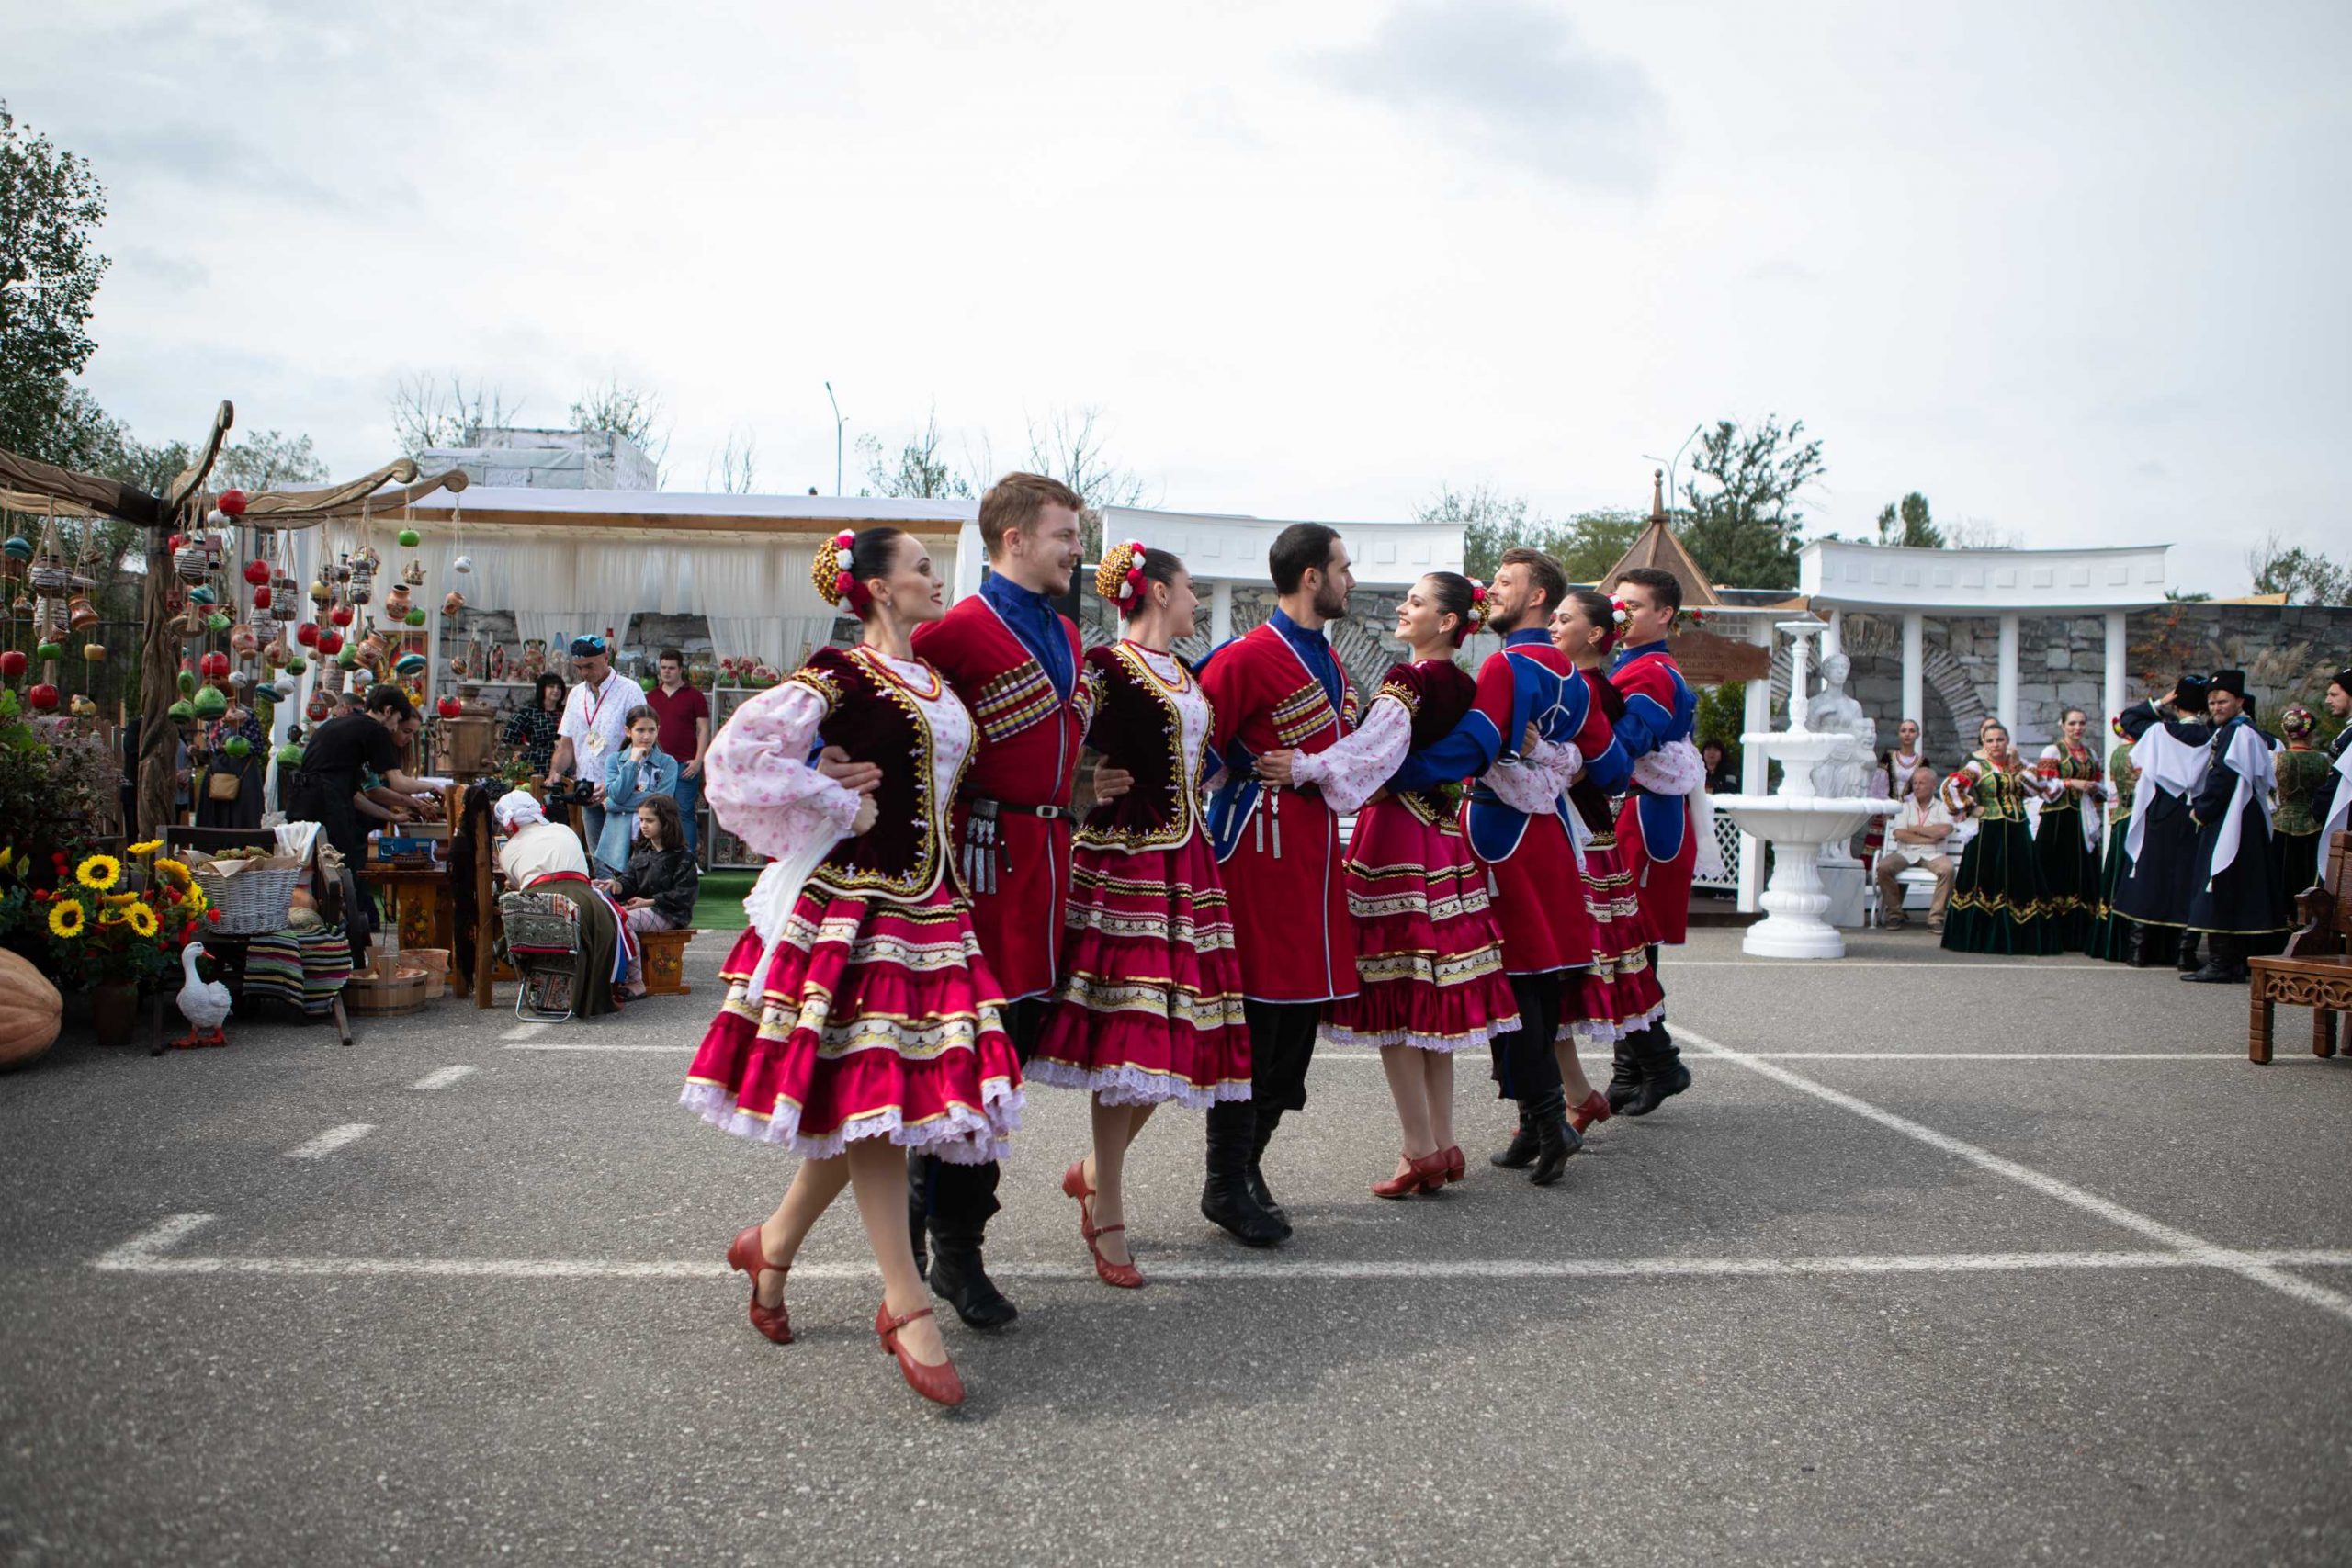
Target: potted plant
x=113, y=927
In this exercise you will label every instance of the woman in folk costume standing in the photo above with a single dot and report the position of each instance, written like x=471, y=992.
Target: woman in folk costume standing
x=861, y=1020
x=2306, y=783
x=2110, y=935
x=1428, y=957
x=1997, y=904
x=1618, y=996
x=1149, y=1006
x=2065, y=841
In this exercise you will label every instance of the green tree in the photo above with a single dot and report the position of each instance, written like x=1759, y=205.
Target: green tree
x=268, y=459
x=1905, y=523
x=2305, y=577
x=1744, y=531
x=1585, y=545
x=50, y=269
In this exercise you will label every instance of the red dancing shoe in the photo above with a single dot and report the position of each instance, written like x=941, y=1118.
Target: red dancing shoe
x=1426, y=1174
x=1125, y=1276
x=1455, y=1165
x=1591, y=1110
x=939, y=1384
x=748, y=1254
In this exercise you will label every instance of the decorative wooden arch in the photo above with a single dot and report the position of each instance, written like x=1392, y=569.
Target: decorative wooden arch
x=41, y=489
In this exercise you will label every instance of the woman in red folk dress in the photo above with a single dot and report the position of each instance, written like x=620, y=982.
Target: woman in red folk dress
x=1429, y=958
x=1618, y=995
x=861, y=1020
x=1149, y=1006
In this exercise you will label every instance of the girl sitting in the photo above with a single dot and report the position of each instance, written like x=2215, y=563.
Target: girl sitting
x=656, y=891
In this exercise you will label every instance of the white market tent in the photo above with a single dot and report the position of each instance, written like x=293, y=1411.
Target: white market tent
x=568, y=562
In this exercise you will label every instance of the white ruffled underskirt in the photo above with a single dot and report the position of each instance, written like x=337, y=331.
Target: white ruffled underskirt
x=1608, y=1032
x=1445, y=1045
x=962, y=1136
x=1128, y=1084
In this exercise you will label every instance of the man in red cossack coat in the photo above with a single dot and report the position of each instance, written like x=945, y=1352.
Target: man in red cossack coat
x=1539, y=888
x=1281, y=687
x=1655, y=824
x=1013, y=658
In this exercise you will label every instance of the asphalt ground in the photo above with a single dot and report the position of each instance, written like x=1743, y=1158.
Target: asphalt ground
x=1939, y=1260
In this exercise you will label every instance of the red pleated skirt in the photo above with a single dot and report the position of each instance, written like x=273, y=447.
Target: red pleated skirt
x=1149, y=1005
x=870, y=1017
x=1619, y=994
x=1429, y=954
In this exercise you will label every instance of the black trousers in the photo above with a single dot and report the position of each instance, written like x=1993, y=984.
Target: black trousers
x=1281, y=1047
x=1525, y=1068
x=957, y=1200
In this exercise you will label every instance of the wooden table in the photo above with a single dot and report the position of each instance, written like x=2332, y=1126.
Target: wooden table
x=420, y=903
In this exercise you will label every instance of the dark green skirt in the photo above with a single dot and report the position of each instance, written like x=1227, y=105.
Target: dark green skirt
x=1996, y=902
x=2110, y=933
x=2070, y=874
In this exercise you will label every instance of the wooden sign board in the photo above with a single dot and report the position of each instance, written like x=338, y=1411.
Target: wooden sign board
x=1707, y=659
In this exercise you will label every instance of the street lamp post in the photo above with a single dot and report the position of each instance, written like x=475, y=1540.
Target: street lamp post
x=838, y=423
x=1671, y=462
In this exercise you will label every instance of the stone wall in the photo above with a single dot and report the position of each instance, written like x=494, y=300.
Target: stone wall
x=2287, y=653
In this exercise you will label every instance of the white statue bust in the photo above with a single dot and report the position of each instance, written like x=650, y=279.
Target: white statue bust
x=1834, y=712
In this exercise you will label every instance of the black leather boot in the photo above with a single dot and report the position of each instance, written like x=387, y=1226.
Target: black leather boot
x=1554, y=1138
x=2225, y=967
x=957, y=1273
x=1520, y=1153
x=2187, y=963
x=1625, y=1073
x=1267, y=1120
x=1224, y=1196
x=2135, y=946
x=1663, y=1074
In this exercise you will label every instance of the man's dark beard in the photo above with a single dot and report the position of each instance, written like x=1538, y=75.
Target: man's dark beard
x=1330, y=600
x=1504, y=626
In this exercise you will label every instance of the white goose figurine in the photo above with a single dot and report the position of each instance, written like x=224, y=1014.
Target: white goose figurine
x=204, y=1003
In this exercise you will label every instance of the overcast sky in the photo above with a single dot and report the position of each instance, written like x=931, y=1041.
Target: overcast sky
x=2074, y=270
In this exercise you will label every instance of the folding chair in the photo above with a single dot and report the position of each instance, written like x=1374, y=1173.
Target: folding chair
x=543, y=944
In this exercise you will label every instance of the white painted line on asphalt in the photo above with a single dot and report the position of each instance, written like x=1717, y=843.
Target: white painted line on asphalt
x=145, y=1254
x=2247, y=1265
x=526, y=1031
x=334, y=1138
x=441, y=1077
x=160, y=1236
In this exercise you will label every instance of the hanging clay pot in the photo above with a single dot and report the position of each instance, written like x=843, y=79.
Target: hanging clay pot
x=94, y=653
x=243, y=642
x=81, y=613
x=396, y=601
x=318, y=707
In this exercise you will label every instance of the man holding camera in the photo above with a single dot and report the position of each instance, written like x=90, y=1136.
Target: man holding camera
x=594, y=727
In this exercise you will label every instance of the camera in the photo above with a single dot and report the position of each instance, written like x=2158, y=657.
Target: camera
x=571, y=793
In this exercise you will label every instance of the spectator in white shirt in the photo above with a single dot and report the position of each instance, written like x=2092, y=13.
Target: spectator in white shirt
x=1917, y=838
x=595, y=724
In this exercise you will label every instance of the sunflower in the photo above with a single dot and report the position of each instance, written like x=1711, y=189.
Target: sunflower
x=143, y=920
x=197, y=903
x=143, y=850
x=172, y=873
x=112, y=915
x=66, y=919
x=100, y=872
x=117, y=901
x=7, y=857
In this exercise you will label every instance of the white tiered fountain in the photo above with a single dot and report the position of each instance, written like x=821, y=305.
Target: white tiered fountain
x=1797, y=821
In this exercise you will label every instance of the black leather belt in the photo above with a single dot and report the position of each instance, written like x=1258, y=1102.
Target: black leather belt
x=984, y=850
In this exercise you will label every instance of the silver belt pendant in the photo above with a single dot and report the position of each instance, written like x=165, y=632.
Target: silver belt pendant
x=1274, y=804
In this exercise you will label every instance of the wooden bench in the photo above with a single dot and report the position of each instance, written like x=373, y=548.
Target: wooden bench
x=665, y=961
x=2315, y=972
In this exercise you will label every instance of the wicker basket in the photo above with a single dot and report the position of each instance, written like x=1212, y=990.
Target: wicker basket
x=252, y=902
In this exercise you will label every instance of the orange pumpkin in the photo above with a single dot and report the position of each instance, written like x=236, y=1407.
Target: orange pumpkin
x=30, y=1011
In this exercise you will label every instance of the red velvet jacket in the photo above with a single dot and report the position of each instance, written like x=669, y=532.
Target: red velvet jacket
x=1437, y=695
x=1026, y=754
x=870, y=716
x=1137, y=727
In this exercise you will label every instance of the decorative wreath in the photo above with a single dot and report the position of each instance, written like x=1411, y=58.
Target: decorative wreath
x=1476, y=621
x=1120, y=577
x=832, y=577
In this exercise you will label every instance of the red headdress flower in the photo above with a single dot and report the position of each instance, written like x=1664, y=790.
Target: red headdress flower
x=1120, y=577
x=832, y=577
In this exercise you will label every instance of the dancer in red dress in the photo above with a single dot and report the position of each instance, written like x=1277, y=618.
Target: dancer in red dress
x=1013, y=657
x=1618, y=995
x=1515, y=821
x=1149, y=1008
x=1279, y=688
x=1656, y=826
x=1428, y=957
x=867, y=1023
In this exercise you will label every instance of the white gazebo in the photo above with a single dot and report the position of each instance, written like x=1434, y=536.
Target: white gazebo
x=2009, y=585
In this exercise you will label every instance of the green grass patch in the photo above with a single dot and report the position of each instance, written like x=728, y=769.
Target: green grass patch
x=719, y=908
